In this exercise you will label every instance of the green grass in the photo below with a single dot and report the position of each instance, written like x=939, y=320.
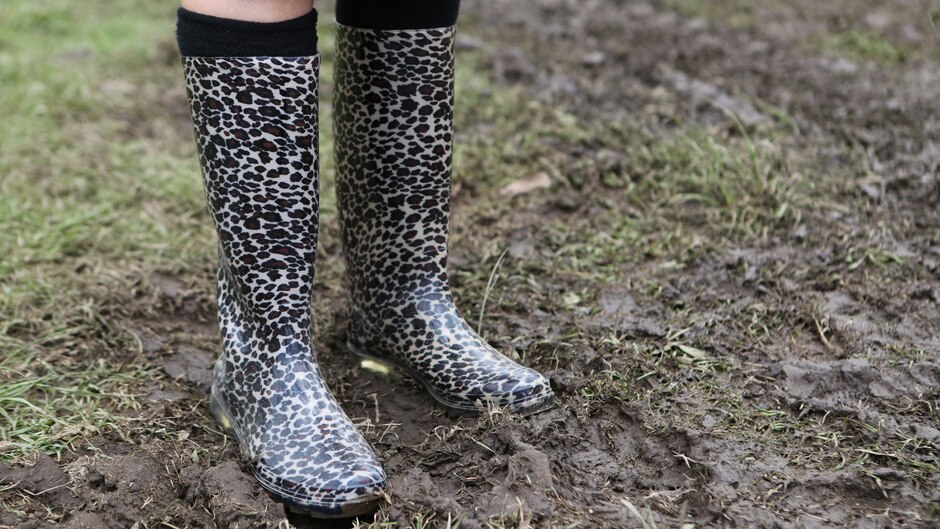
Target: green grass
x=669, y=196
x=44, y=407
x=97, y=191
x=864, y=45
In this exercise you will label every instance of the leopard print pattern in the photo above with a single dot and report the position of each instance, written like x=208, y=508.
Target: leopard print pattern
x=256, y=129
x=393, y=121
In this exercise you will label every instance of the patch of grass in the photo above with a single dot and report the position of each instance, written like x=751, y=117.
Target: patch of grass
x=48, y=408
x=687, y=356
x=609, y=385
x=666, y=194
x=681, y=184
x=843, y=442
x=100, y=189
x=864, y=45
x=858, y=257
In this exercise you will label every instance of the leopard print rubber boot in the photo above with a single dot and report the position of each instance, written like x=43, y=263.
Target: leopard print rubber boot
x=256, y=129
x=394, y=131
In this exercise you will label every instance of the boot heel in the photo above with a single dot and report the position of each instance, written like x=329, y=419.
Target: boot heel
x=220, y=415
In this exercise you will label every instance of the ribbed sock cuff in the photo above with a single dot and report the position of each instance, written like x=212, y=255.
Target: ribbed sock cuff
x=401, y=14
x=201, y=35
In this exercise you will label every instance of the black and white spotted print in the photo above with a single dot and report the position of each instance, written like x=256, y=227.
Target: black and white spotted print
x=256, y=129
x=394, y=133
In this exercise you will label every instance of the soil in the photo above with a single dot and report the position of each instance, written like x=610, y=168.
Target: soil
x=822, y=374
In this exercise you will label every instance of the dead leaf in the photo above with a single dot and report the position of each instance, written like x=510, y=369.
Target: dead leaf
x=522, y=186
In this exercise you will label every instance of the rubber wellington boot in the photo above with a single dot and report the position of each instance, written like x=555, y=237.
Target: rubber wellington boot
x=394, y=131
x=256, y=128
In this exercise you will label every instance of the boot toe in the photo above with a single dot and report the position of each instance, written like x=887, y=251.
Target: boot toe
x=531, y=393
x=321, y=466
x=335, y=489
x=520, y=390
x=532, y=397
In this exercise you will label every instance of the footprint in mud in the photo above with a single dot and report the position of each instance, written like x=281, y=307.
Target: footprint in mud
x=843, y=382
x=190, y=365
x=528, y=478
x=232, y=496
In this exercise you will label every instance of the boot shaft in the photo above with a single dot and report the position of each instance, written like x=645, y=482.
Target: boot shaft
x=256, y=126
x=393, y=122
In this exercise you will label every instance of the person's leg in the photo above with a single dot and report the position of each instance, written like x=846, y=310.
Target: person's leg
x=242, y=28
x=393, y=120
x=252, y=90
x=250, y=10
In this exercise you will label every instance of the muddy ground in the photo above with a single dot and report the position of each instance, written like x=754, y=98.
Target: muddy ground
x=771, y=364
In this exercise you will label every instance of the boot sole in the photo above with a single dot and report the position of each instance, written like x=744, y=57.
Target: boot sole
x=347, y=510
x=451, y=410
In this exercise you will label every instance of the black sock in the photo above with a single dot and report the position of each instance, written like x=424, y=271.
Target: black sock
x=201, y=35
x=401, y=14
